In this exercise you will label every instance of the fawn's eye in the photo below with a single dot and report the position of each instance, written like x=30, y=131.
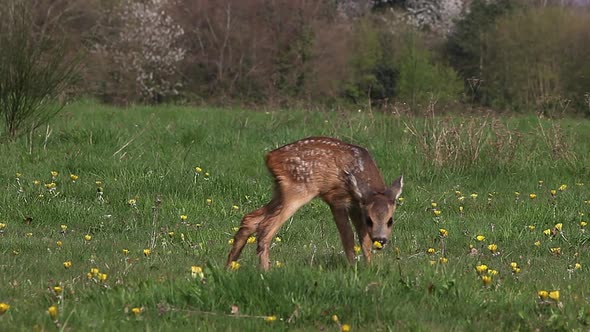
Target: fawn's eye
x=390, y=222
x=369, y=222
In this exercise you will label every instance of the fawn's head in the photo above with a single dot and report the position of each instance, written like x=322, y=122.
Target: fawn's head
x=377, y=208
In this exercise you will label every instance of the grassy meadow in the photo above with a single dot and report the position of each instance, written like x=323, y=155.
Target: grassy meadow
x=128, y=235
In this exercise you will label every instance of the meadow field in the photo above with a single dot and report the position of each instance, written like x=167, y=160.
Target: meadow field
x=121, y=219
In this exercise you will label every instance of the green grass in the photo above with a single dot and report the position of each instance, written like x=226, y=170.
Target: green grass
x=143, y=153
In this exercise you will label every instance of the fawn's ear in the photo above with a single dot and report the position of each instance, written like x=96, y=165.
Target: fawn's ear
x=395, y=190
x=359, y=192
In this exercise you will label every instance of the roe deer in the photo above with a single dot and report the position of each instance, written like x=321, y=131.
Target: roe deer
x=343, y=175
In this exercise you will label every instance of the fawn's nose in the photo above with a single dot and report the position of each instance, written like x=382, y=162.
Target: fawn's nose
x=381, y=241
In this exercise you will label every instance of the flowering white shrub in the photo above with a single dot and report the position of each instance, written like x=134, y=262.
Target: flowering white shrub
x=147, y=47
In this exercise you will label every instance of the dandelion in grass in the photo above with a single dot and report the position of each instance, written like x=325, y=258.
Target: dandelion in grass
x=515, y=268
x=94, y=271
x=443, y=260
x=481, y=269
x=183, y=217
x=401, y=200
x=532, y=196
x=235, y=207
x=230, y=241
x=74, y=177
x=437, y=213
x=206, y=176
x=197, y=272
x=556, y=251
x=583, y=224
x=433, y=205
x=278, y=239
x=64, y=228
x=486, y=280
x=493, y=248
x=443, y=232
x=4, y=308
x=516, y=195
x=493, y=272
x=473, y=195
x=88, y=237
x=29, y=234
x=558, y=226
x=547, y=232
x=36, y=182
x=251, y=240
x=543, y=295
x=563, y=187
x=103, y=277
x=357, y=249
x=554, y=295
x=577, y=266
x=132, y=202
x=537, y=243
x=430, y=251
x=279, y=264
x=170, y=234
x=198, y=171
x=2, y=227
x=234, y=265
x=59, y=243
x=462, y=198
x=125, y=252
x=461, y=208
x=209, y=201
x=377, y=245
x=54, y=174
x=57, y=289
x=345, y=328
x=553, y=193
x=335, y=318
x=136, y=311
x=540, y=183
x=480, y=238
x=270, y=319
x=53, y=312
x=531, y=227
x=147, y=252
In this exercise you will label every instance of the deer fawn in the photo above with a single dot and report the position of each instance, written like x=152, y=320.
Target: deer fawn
x=343, y=175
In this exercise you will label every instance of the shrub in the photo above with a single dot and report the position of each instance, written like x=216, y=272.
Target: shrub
x=35, y=71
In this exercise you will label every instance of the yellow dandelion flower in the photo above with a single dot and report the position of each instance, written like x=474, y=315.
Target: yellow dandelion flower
x=577, y=266
x=480, y=238
x=183, y=217
x=235, y=207
x=531, y=227
x=132, y=201
x=125, y=251
x=461, y=208
x=278, y=239
x=270, y=319
x=146, y=252
x=532, y=195
x=53, y=311
x=29, y=234
x=230, y=241
x=558, y=226
x=171, y=234
x=547, y=232
x=537, y=243
x=401, y=199
x=36, y=182
x=473, y=195
x=513, y=265
x=543, y=294
x=345, y=328
x=437, y=213
x=89, y=276
x=59, y=243
x=554, y=295
x=493, y=248
x=541, y=182
x=462, y=198
x=430, y=251
x=443, y=260
x=583, y=223
x=563, y=187
x=377, y=245
x=74, y=177
x=457, y=193
x=279, y=264
x=209, y=201
x=251, y=240
x=2, y=225
x=67, y=264
x=492, y=272
x=553, y=192
x=443, y=232
x=57, y=289
x=432, y=262
x=335, y=318
x=103, y=277
x=234, y=265
x=434, y=204
x=486, y=279
x=4, y=308
x=207, y=174
x=481, y=268
x=88, y=237
x=54, y=174
x=51, y=185
x=357, y=249
x=64, y=228
x=198, y=170
x=517, y=193
x=197, y=271
x=94, y=271
x=555, y=251
x=136, y=311
x=98, y=183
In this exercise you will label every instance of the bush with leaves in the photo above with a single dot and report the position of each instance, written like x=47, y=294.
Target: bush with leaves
x=35, y=70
